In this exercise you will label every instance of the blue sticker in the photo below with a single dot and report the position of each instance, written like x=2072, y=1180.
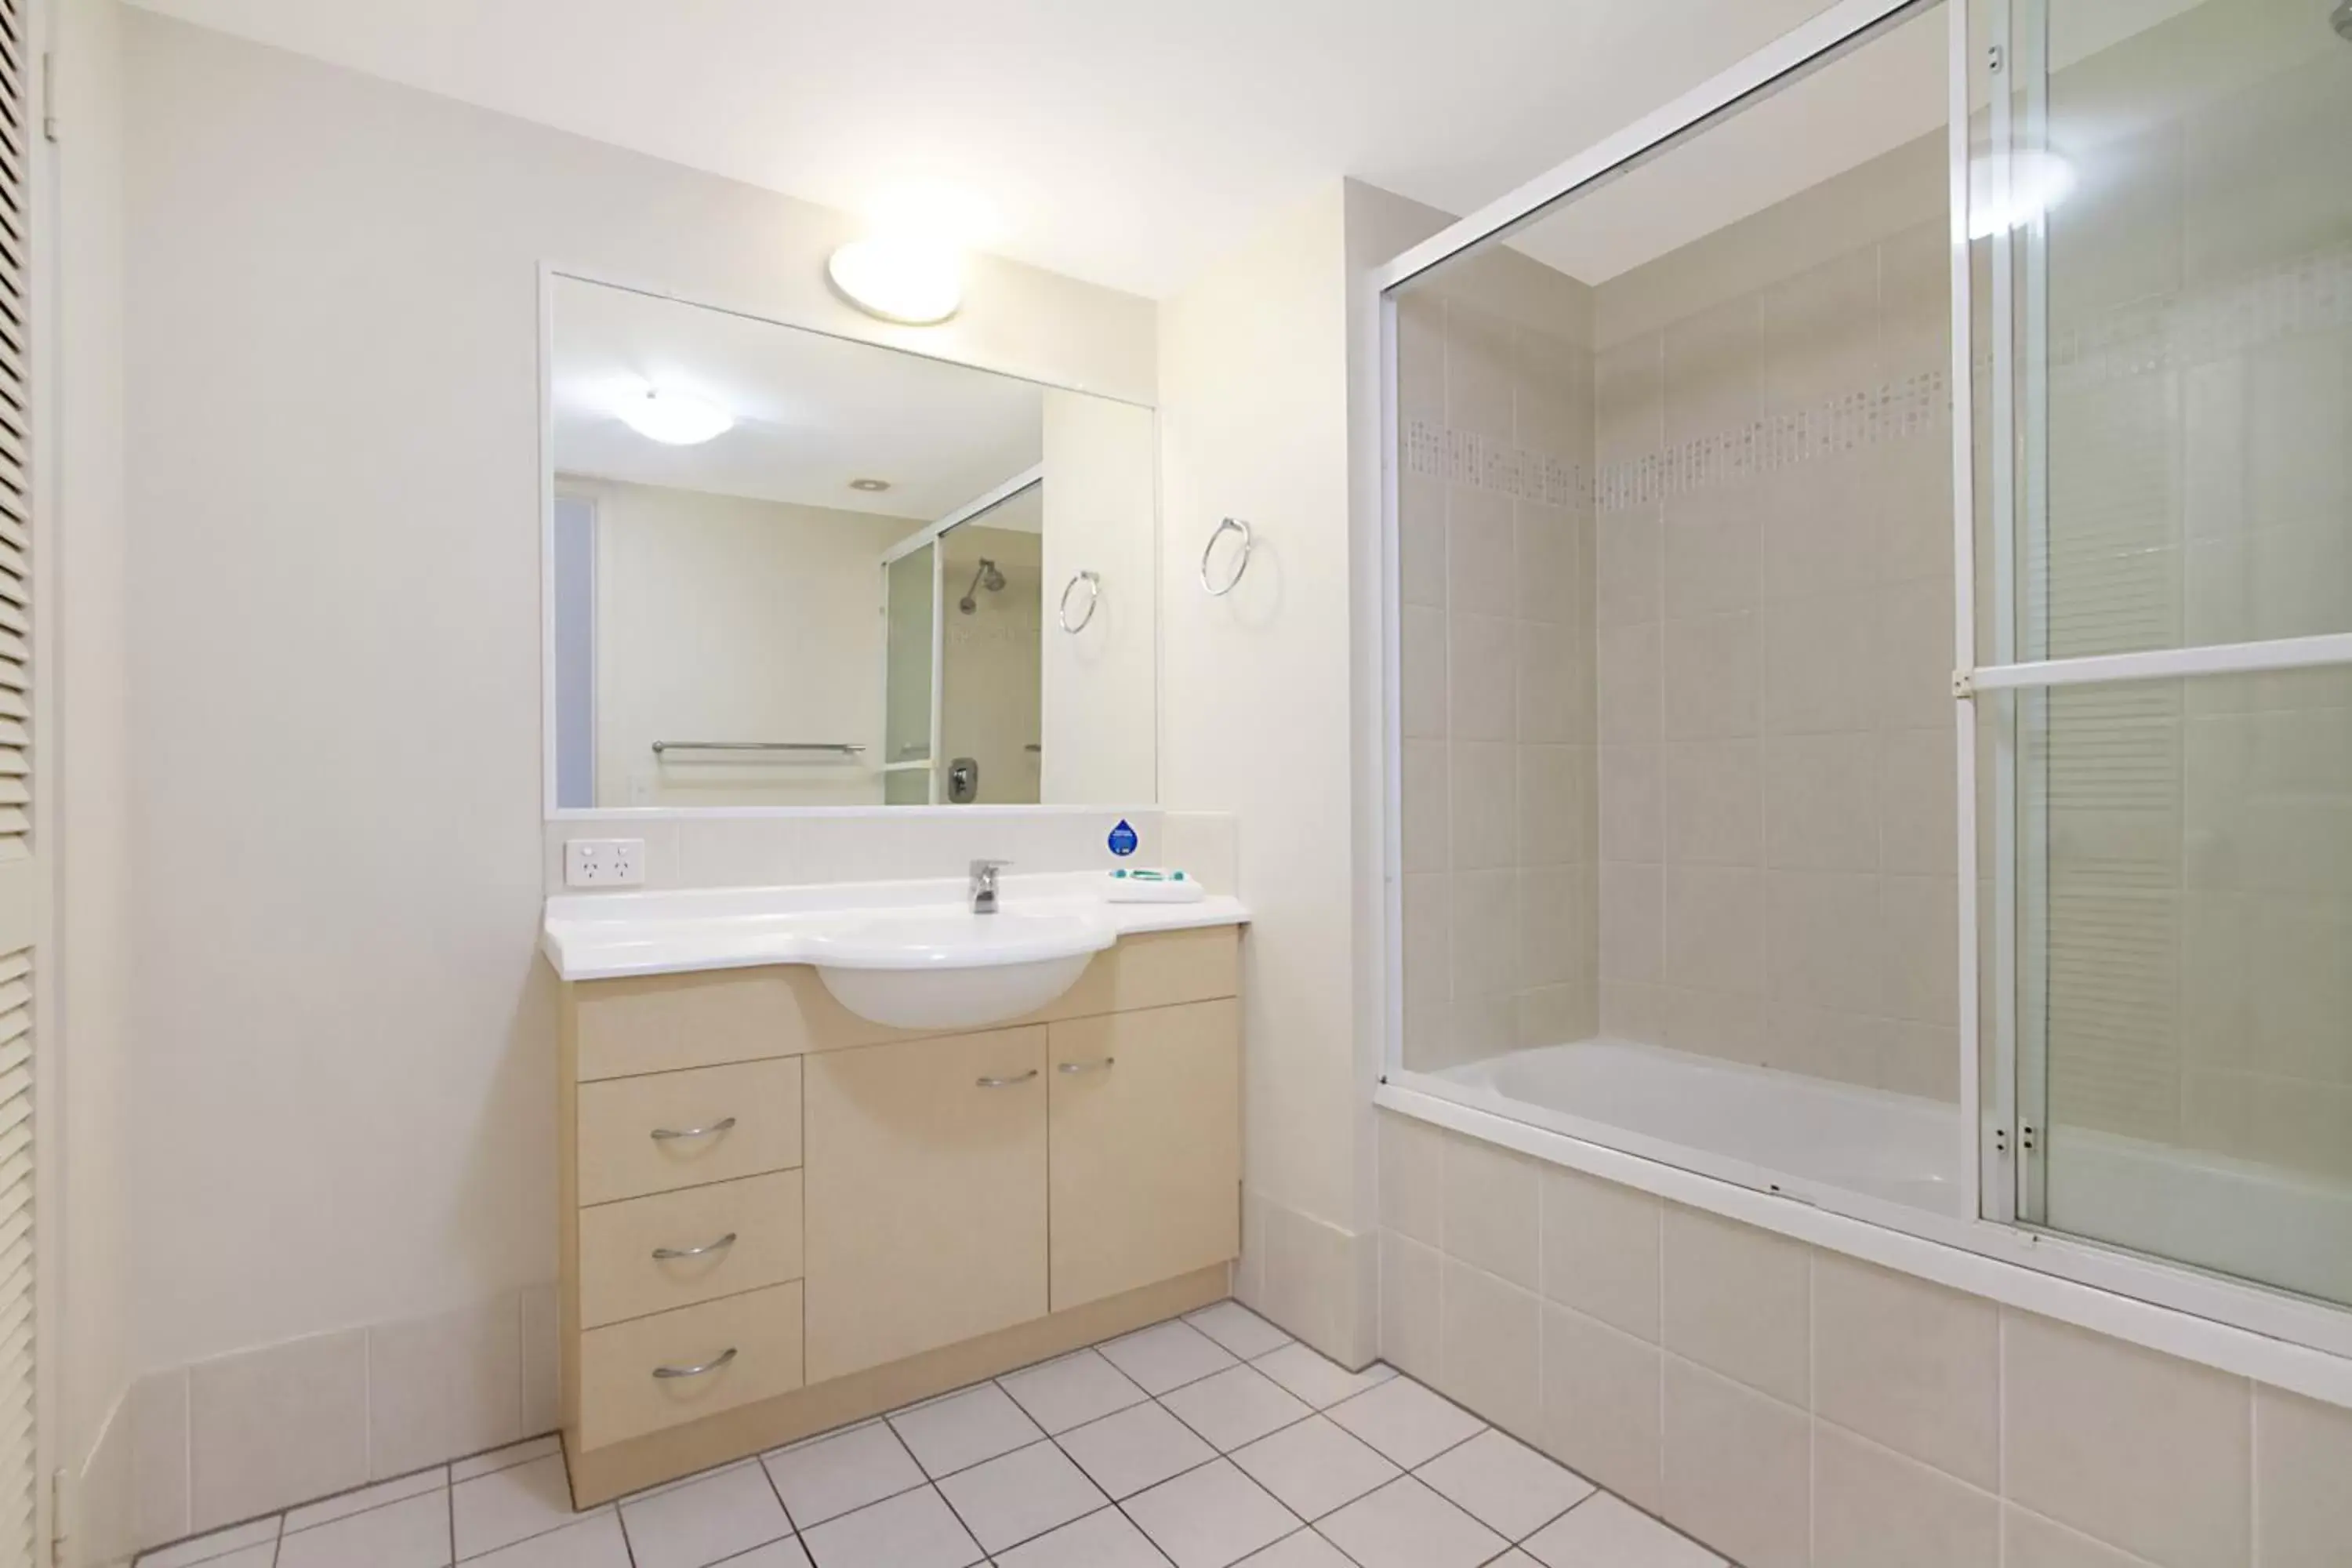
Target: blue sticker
x=1122, y=838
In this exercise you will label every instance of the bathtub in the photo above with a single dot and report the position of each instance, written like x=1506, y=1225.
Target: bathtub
x=1874, y=1154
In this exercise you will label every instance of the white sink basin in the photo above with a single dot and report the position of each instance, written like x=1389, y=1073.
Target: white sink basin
x=946, y=969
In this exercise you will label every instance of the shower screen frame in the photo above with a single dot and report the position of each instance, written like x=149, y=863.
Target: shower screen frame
x=2217, y=1318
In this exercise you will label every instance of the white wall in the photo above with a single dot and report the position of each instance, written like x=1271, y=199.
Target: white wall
x=720, y=618
x=342, y=1039
x=1266, y=374
x=1101, y=719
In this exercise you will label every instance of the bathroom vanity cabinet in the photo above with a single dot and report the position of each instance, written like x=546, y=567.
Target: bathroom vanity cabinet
x=778, y=1216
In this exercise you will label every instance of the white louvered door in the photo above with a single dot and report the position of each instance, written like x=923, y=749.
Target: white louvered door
x=23, y=1499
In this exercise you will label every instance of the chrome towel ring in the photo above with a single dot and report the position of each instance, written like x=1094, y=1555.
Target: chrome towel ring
x=1241, y=561
x=1093, y=581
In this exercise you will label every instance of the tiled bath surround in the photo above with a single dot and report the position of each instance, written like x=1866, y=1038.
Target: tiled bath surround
x=1791, y=1406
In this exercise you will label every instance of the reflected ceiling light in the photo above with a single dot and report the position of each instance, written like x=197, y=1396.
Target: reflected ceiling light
x=2038, y=181
x=673, y=418
x=908, y=279
x=875, y=486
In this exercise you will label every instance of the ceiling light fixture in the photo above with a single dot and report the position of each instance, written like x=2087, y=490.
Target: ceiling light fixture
x=673, y=418
x=873, y=486
x=2038, y=181
x=907, y=279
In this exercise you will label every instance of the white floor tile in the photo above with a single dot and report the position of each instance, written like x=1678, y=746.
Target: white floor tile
x=1606, y=1533
x=1303, y=1550
x=594, y=1542
x=262, y=1556
x=1238, y=1329
x=505, y=1459
x=1405, y=1421
x=217, y=1544
x=411, y=1533
x=827, y=1477
x=366, y=1497
x=1321, y=1381
x=781, y=1554
x=1234, y=1406
x=511, y=1505
x=1515, y=1558
x=961, y=1430
x=705, y=1520
x=1105, y=1538
x=1167, y=1355
x=1314, y=1467
x=1506, y=1484
x=913, y=1530
x=1135, y=1449
x=1406, y=1525
x=1072, y=1391
x=1210, y=1517
x=1019, y=1495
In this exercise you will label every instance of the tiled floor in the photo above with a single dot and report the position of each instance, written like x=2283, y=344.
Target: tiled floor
x=1201, y=1442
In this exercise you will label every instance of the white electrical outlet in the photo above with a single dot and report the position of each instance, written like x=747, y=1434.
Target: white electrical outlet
x=603, y=862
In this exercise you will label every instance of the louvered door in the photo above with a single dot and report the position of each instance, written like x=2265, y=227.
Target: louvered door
x=23, y=1533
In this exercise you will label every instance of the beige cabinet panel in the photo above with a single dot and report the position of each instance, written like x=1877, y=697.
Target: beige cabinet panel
x=926, y=1195
x=621, y=1396
x=673, y=1249
x=670, y=1130
x=1155, y=970
x=1145, y=1133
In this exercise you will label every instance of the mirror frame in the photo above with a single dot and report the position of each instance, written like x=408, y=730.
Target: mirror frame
x=550, y=273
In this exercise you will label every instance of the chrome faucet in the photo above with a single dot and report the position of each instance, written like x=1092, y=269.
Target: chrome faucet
x=983, y=885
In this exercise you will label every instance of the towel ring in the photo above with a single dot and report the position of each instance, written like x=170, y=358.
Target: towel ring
x=1093, y=581
x=1240, y=561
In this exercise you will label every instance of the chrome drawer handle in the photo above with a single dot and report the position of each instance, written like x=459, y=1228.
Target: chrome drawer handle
x=663, y=1134
x=1103, y=1066
x=664, y=1254
x=722, y=1358
x=1005, y=1082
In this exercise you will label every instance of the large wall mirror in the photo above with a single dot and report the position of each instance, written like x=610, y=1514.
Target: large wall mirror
x=787, y=568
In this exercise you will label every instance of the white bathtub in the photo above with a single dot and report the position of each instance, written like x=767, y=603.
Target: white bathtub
x=1857, y=1149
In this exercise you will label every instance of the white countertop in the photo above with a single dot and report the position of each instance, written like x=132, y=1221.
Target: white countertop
x=605, y=936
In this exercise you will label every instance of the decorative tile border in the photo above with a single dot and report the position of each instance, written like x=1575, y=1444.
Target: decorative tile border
x=1482, y=463
x=2307, y=295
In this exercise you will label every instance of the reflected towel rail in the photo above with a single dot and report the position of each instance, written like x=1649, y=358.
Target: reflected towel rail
x=836, y=748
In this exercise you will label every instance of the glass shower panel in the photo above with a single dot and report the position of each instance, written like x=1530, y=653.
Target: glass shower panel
x=911, y=595
x=2179, y=299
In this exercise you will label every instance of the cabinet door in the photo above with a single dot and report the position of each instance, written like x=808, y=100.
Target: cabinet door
x=926, y=1195
x=1146, y=1139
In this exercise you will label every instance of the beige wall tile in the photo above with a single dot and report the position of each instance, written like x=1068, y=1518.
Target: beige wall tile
x=1715, y=929
x=1821, y=803
x=1818, y=332
x=1819, y=665
x=1554, y=924
x=1554, y=681
x=1711, y=543
x=2126, y=1445
x=2302, y=1481
x=1825, y=949
x=1631, y=825
x=1492, y=1210
x=1908, y=1365
x=1736, y=1468
x=1485, y=933
x=1632, y=917
x=1850, y=1047
x=1600, y=1404
x=1873, y=1508
x=1481, y=553
x=1628, y=683
x=1914, y=656
x=1628, y=558
x=1489, y=1342
x=1713, y=363
x=446, y=1384
x=1551, y=585
x=2030, y=1541
x=1478, y=371
x=1737, y=1299
x=1553, y=782
x=1411, y=1305
x=154, y=1416
x=1601, y=1250
x=1484, y=791
x=1628, y=401
x=1420, y=539
x=1820, y=533
x=271, y=1427
x=1422, y=655
x=1727, y=1024
x=1919, y=793
x=542, y=1352
x=1633, y=1011
x=1412, y=1178
x=1712, y=802
x=1919, y=930
x=1711, y=675
x=1482, y=677
x=1426, y=806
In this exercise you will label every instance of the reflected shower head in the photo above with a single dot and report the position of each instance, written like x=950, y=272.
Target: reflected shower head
x=990, y=578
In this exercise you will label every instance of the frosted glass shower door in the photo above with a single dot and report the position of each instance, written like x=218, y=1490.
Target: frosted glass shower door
x=2169, y=207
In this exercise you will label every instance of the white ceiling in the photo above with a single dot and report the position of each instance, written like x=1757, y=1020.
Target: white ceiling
x=812, y=413
x=1127, y=144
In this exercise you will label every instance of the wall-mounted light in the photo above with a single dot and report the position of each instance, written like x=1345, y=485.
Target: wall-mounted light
x=2038, y=181
x=907, y=279
x=673, y=418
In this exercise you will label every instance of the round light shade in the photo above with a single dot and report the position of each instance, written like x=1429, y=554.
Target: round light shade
x=2038, y=181
x=912, y=281
x=673, y=418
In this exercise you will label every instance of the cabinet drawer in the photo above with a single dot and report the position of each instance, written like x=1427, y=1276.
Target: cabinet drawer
x=671, y=1129
x=723, y=1239
x=621, y=1396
